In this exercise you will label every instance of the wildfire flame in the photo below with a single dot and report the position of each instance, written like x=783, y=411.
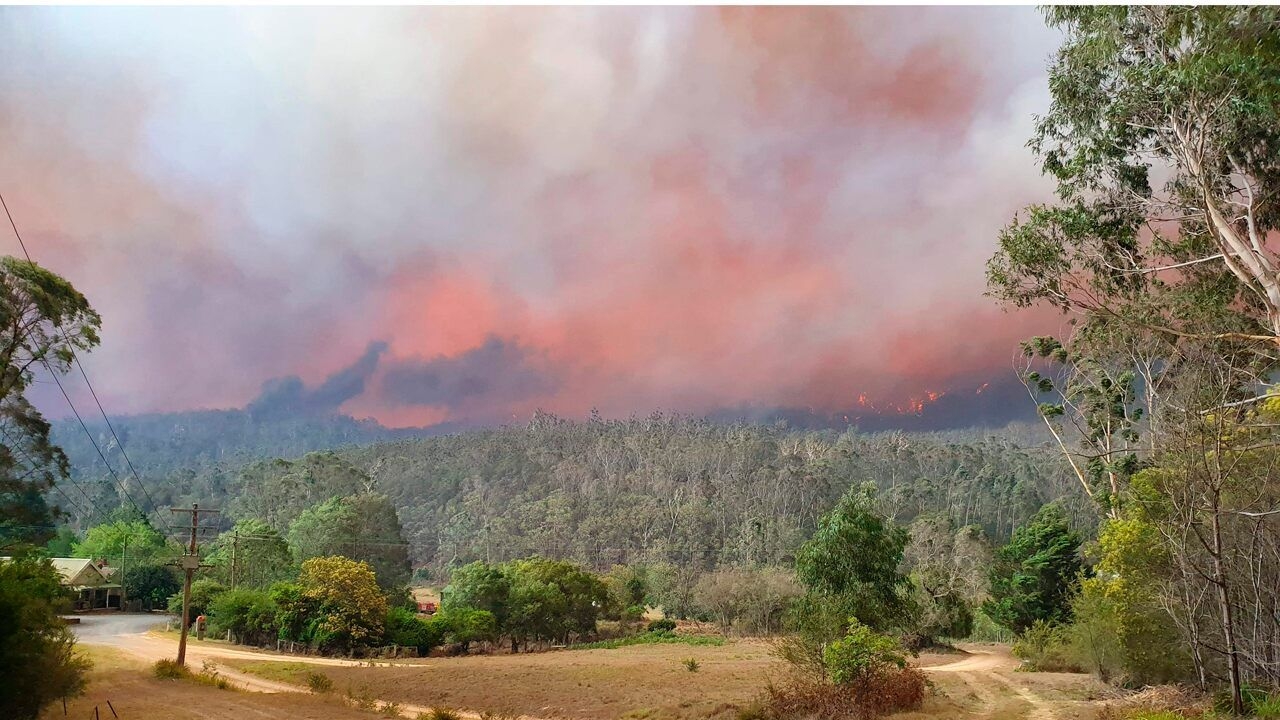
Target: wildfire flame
x=912, y=405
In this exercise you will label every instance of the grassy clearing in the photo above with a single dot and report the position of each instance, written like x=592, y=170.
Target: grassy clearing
x=128, y=684
x=279, y=671
x=654, y=639
x=650, y=680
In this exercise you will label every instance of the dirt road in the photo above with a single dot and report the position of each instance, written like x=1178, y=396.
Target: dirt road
x=987, y=685
x=981, y=684
x=131, y=633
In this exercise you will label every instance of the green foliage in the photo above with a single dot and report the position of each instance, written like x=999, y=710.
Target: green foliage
x=203, y=593
x=466, y=625
x=404, y=627
x=551, y=600
x=44, y=321
x=861, y=654
x=1125, y=634
x=1036, y=573
x=261, y=555
x=661, y=625
x=293, y=610
x=152, y=583
x=62, y=543
x=248, y=613
x=531, y=599
x=654, y=638
x=479, y=586
x=691, y=664
x=851, y=568
x=319, y=683
x=349, y=608
x=1045, y=647
x=462, y=496
x=133, y=539
x=166, y=669
x=362, y=527
x=36, y=648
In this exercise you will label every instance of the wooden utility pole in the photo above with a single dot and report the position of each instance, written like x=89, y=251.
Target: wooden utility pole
x=190, y=562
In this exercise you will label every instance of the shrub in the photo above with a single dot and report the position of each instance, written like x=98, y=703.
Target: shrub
x=209, y=675
x=870, y=696
x=1046, y=648
x=166, y=669
x=861, y=654
x=439, y=713
x=633, y=613
x=349, y=606
x=203, y=591
x=690, y=664
x=1267, y=706
x=249, y=614
x=465, y=626
x=319, y=683
x=1258, y=702
x=406, y=628
x=663, y=625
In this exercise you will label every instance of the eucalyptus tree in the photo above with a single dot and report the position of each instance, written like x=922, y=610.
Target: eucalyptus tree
x=44, y=322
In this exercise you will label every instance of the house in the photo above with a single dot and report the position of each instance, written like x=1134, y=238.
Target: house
x=90, y=583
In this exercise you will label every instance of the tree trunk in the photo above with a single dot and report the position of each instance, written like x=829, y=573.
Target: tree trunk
x=1228, y=620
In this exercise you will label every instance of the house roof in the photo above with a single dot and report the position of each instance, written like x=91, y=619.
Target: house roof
x=79, y=572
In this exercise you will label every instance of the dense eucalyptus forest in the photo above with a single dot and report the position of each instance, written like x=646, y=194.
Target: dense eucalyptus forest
x=675, y=489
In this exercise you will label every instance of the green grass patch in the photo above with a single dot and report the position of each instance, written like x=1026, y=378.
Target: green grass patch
x=653, y=638
x=280, y=671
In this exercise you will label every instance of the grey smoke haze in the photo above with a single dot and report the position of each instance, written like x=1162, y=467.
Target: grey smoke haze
x=629, y=209
x=495, y=373
x=288, y=396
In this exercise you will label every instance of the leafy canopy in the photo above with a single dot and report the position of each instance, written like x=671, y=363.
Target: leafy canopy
x=1036, y=573
x=851, y=564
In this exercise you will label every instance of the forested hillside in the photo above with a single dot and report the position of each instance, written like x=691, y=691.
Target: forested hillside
x=687, y=491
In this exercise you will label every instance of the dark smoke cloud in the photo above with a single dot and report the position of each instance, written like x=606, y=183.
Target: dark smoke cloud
x=289, y=397
x=498, y=371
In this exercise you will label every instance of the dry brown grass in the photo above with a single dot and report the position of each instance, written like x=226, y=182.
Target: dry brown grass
x=867, y=698
x=644, y=681
x=1185, y=701
x=127, y=684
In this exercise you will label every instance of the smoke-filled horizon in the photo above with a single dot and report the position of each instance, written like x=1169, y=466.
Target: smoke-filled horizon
x=456, y=215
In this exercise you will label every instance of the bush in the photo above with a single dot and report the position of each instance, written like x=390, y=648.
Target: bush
x=319, y=683
x=249, y=614
x=166, y=669
x=152, y=584
x=861, y=654
x=1258, y=702
x=870, y=696
x=632, y=614
x=1046, y=648
x=690, y=664
x=36, y=647
x=465, y=626
x=663, y=625
x=439, y=713
x=203, y=591
x=407, y=629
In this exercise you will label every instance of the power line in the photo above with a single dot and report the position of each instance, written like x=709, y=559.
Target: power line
x=33, y=466
x=67, y=396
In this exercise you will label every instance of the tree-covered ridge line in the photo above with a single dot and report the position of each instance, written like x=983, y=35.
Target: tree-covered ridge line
x=676, y=489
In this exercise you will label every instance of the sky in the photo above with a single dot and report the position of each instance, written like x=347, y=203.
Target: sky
x=461, y=215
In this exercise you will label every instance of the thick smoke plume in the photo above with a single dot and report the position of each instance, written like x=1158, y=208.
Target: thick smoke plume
x=683, y=209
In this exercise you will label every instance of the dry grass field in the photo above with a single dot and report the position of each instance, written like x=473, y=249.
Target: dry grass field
x=643, y=681
x=127, y=684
